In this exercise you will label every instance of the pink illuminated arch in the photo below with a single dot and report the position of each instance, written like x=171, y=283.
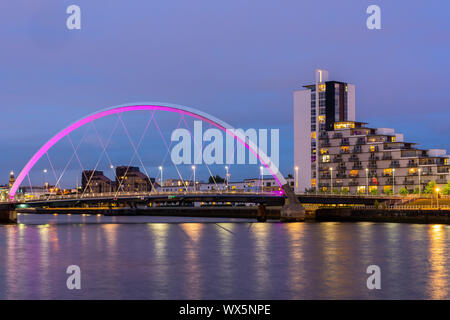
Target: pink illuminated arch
x=149, y=106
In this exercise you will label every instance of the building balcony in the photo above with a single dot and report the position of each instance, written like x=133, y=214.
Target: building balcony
x=341, y=176
x=374, y=157
x=353, y=183
x=353, y=158
x=387, y=157
x=395, y=165
x=337, y=135
x=412, y=164
x=361, y=141
x=357, y=166
x=338, y=159
x=408, y=181
x=372, y=165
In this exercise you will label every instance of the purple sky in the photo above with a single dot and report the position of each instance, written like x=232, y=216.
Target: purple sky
x=238, y=60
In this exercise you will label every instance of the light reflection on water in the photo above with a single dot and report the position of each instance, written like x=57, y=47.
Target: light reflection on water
x=200, y=258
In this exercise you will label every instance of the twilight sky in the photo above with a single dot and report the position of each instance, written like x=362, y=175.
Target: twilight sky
x=237, y=60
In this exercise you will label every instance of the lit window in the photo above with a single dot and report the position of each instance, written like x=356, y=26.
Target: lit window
x=326, y=158
x=387, y=172
x=321, y=87
x=322, y=119
x=313, y=182
x=372, y=148
x=345, y=148
x=323, y=151
x=353, y=173
x=361, y=189
x=373, y=188
x=313, y=135
x=344, y=125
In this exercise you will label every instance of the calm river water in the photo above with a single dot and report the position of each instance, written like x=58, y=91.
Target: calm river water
x=192, y=258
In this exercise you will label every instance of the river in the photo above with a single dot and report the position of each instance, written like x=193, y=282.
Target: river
x=201, y=258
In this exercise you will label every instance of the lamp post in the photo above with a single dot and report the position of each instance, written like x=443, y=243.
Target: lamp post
x=331, y=180
x=110, y=184
x=296, y=179
x=261, y=171
x=43, y=175
x=437, y=197
x=367, y=181
x=193, y=169
x=393, y=181
x=162, y=181
x=420, y=184
x=227, y=176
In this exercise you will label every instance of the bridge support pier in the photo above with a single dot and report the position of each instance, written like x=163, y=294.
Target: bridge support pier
x=292, y=211
x=8, y=215
x=262, y=213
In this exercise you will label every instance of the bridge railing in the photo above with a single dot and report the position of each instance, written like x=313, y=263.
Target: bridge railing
x=114, y=195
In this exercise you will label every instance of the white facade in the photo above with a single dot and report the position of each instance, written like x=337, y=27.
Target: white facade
x=310, y=111
x=302, y=138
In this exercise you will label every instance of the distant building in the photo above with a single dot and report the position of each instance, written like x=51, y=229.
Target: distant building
x=93, y=181
x=132, y=179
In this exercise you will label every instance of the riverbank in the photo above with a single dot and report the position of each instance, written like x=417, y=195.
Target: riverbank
x=262, y=214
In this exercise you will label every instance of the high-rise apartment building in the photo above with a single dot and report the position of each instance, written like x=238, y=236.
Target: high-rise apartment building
x=345, y=155
x=316, y=108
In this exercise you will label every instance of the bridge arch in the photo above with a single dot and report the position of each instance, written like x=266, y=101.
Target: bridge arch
x=265, y=160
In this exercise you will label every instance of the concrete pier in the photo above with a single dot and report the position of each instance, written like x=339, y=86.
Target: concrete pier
x=292, y=211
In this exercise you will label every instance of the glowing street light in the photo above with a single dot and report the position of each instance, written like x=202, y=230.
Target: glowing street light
x=367, y=181
x=227, y=176
x=296, y=179
x=193, y=169
x=393, y=181
x=437, y=196
x=331, y=180
x=261, y=171
x=162, y=181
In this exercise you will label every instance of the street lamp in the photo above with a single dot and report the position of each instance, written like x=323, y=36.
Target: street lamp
x=296, y=179
x=162, y=181
x=44, y=173
x=393, y=181
x=193, y=169
x=227, y=177
x=367, y=181
x=331, y=178
x=261, y=171
x=420, y=184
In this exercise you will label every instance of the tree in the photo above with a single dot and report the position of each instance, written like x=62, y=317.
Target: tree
x=217, y=178
x=446, y=189
x=403, y=191
x=290, y=176
x=374, y=192
x=431, y=186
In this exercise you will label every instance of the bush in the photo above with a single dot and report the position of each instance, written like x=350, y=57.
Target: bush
x=403, y=191
x=446, y=189
x=431, y=186
x=374, y=192
x=388, y=192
